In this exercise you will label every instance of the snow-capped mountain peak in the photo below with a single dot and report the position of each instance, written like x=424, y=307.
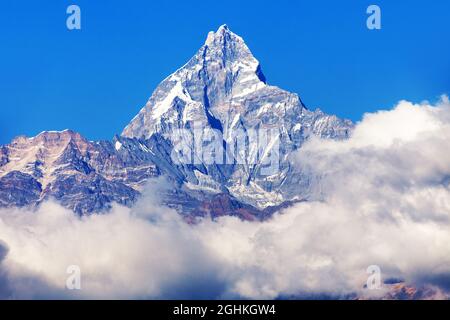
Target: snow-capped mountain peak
x=223, y=70
x=218, y=37
x=222, y=87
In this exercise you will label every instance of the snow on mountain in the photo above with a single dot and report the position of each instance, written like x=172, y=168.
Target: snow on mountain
x=221, y=90
x=84, y=176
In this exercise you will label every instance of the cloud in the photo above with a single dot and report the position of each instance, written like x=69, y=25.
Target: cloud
x=123, y=254
x=384, y=200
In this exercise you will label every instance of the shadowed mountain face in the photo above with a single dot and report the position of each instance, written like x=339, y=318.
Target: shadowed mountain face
x=221, y=91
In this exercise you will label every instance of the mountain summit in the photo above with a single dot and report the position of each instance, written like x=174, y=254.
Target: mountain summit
x=221, y=92
x=222, y=72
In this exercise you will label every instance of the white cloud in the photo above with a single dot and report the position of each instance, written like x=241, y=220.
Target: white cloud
x=385, y=201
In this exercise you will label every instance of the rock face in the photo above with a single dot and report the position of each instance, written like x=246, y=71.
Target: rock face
x=82, y=175
x=220, y=93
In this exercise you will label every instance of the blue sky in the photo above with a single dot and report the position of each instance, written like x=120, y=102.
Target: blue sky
x=95, y=80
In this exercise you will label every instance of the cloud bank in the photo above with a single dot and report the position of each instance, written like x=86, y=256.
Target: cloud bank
x=385, y=201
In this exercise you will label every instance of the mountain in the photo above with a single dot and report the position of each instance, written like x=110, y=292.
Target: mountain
x=82, y=175
x=215, y=128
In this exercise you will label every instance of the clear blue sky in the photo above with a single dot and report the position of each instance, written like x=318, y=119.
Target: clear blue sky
x=95, y=80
